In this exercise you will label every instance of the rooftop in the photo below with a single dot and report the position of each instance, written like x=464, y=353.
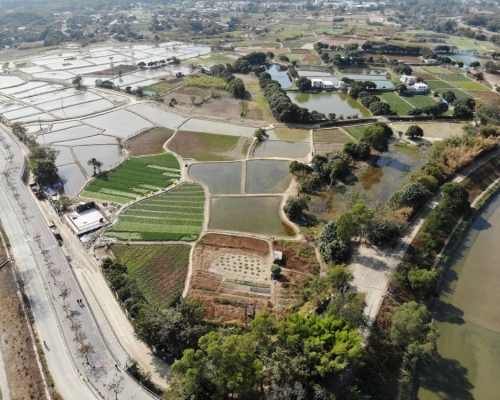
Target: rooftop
x=85, y=221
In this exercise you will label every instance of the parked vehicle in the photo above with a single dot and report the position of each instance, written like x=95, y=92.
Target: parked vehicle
x=37, y=191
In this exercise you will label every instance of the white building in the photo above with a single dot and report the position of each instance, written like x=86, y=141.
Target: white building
x=418, y=88
x=408, y=79
x=321, y=84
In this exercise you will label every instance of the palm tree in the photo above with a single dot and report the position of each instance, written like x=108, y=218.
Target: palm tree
x=95, y=163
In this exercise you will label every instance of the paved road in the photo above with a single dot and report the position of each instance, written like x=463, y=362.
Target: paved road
x=32, y=244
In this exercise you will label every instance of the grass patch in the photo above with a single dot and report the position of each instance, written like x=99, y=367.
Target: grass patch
x=471, y=86
x=134, y=178
x=436, y=70
x=438, y=85
x=292, y=45
x=159, y=270
x=460, y=94
x=175, y=215
x=330, y=136
x=206, y=82
x=397, y=103
x=419, y=100
x=203, y=146
x=163, y=87
x=355, y=131
x=294, y=57
x=456, y=78
x=263, y=106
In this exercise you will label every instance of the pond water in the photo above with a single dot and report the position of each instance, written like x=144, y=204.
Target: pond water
x=277, y=148
x=78, y=110
x=259, y=215
x=379, y=76
x=279, y=74
x=109, y=155
x=200, y=125
x=267, y=176
x=221, y=178
x=121, y=123
x=72, y=178
x=157, y=116
x=468, y=319
x=289, y=134
x=325, y=75
x=380, y=180
x=328, y=102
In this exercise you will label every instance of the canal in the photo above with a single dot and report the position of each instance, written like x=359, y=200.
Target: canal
x=467, y=315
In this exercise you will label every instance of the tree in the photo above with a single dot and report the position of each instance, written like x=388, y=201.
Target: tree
x=401, y=88
x=128, y=89
x=44, y=171
x=380, y=108
x=63, y=203
x=117, y=385
x=376, y=138
x=422, y=280
x=412, y=330
x=77, y=81
x=456, y=196
x=95, y=164
x=20, y=131
x=491, y=66
x=259, y=134
x=475, y=64
x=270, y=55
x=461, y=111
x=330, y=246
x=355, y=222
x=304, y=83
x=449, y=96
x=275, y=270
x=414, y=131
x=237, y=88
x=227, y=367
x=295, y=206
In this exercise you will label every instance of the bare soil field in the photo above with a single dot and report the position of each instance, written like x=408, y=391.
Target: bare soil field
x=485, y=96
x=19, y=355
x=301, y=51
x=311, y=57
x=228, y=292
x=150, y=142
x=335, y=42
x=425, y=76
x=322, y=149
x=208, y=147
x=440, y=130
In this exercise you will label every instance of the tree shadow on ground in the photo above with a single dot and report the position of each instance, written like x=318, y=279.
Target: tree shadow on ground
x=445, y=377
x=446, y=312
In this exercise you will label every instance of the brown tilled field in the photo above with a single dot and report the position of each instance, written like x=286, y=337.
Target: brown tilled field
x=311, y=57
x=407, y=59
x=264, y=50
x=485, y=96
x=150, y=142
x=222, y=276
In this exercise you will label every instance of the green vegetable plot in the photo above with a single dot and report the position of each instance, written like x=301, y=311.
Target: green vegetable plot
x=134, y=178
x=173, y=215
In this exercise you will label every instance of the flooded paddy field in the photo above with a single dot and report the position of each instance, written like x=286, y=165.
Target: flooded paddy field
x=289, y=134
x=72, y=178
x=221, y=178
x=468, y=318
x=120, y=123
x=222, y=128
x=277, y=148
x=157, y=116
x=267, y=176
x=258, y=215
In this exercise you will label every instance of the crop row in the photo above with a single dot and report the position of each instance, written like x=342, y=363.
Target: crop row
x=173, y=215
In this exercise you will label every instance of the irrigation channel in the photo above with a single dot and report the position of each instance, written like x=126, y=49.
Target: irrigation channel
x=467, y=315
